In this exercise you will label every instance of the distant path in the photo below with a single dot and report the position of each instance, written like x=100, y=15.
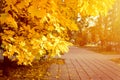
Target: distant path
x=82, y=64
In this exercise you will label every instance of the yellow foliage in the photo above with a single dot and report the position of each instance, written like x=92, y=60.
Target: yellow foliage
x=9, y=19
x=37, y=28
x=94, y=7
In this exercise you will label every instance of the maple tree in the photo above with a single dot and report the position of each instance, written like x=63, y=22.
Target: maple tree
x=39, y=28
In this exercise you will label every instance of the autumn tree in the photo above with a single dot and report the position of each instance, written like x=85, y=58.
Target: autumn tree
x=111, y=28
x=87, y=17
x=39, y=28
x=106, y=31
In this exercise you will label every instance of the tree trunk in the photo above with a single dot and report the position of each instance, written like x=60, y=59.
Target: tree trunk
x=6, y=65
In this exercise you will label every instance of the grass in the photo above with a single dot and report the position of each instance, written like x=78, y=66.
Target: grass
x=109, y=52
x=102, y=51
x=116, y=60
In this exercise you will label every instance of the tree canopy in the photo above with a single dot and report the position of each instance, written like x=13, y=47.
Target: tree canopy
x=35, y=28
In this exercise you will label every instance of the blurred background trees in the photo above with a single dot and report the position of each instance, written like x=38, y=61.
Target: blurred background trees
x=100, y=31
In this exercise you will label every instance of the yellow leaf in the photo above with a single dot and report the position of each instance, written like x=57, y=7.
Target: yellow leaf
x=8, y=19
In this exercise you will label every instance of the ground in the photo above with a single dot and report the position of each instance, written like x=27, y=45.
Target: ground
x=35, y=72
x=41, y=70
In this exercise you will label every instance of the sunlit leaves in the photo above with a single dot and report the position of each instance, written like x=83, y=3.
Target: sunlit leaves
x=39, y=28
x=94, y=7
x=34, y=11
x=9, y=19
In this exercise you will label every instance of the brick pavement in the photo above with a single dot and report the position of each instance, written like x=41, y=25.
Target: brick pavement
x=82, y=64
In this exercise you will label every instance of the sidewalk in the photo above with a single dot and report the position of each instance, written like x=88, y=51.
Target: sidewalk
x=81, y=64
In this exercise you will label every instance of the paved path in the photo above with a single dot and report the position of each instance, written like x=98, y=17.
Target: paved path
x=82, y=64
